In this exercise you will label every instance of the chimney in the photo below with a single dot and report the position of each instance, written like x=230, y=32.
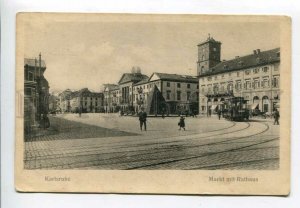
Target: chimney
x=258, y=51
x=254, y=52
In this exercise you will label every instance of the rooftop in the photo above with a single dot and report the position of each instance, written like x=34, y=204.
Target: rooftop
x=132, y=77
x=176, y=77
x=257, y=58
x=31, y=62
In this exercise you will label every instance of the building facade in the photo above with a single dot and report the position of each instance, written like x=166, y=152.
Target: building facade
x=126, y=84
x=36, y=92
x=256, y=77
x=64, y=102
x=86, y=101
x=167, y=93
x=111, y=94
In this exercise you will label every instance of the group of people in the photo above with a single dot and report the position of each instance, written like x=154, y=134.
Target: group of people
x=143, y=121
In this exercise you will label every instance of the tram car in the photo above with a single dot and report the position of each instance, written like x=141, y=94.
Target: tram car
x=235, y=109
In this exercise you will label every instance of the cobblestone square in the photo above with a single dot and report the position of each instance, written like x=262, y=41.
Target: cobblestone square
x=108, y=141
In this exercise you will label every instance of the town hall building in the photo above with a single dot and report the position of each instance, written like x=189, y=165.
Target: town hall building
x=255, y=76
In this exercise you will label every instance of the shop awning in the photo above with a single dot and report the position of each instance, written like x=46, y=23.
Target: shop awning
x=253, y=106
x=213, y=107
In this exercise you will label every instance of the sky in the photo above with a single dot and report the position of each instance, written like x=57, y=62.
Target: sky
x=81, y=54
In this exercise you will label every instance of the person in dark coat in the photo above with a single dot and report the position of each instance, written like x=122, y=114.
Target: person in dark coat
x=45, y=122
x=143, y=119
x=219, y=113
x=181, y=123
x=276, y=117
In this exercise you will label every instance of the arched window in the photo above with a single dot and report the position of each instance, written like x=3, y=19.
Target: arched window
x=255, y=99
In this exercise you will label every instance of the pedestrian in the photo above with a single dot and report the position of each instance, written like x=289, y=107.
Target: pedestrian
x=219, y=113
x=143, y=119
x=80, y=110
x=181, y=123
x=45, y=123
x=276, y=117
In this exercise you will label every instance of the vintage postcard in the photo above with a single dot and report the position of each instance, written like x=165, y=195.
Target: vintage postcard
x=164, y=104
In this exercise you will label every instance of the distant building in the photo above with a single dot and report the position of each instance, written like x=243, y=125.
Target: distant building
x=36, y=92
x=256, y=77
x=86, y=101
x=65, y=100
x=111, y=98
x=53, y=103
x=167, y=93
x=126, y=83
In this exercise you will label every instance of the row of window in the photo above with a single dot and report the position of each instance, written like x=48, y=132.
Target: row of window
x=168, y=85
x=247, y=72
x=91, y=98
x=255, y=84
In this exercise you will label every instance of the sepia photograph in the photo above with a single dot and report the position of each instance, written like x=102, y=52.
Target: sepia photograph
x=153, y=93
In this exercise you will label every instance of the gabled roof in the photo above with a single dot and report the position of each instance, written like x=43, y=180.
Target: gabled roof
x=252, y=60
x=85, y=92
x=31, y=62
x=175, y=77
x=144, y=81
x=132, y=77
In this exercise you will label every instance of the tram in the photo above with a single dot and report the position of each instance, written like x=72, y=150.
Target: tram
x=235, y=109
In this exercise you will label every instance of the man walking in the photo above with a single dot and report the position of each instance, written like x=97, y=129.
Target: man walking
x=276, y=117
x=143, y=119
x=219, y=113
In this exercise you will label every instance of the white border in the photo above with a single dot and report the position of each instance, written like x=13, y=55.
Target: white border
x=10, y=198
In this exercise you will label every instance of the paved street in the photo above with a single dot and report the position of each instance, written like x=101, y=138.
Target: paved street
x=108, y=141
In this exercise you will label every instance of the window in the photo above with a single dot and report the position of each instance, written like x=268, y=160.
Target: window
x=188, y=86
x=188, y=95
x=256, y=83
x=229, y=74
x=276, y=81
x=202, y=88
x=168, y=95
x=178, y=95
x=223, y=76
x=214, y=49
x=178, y=85
x=168, y=84
x=216, y=77
x=28, y=91
x=209, y=88
x=265, y=83
x=216, y=89
x=230, y=87
x=197, y=86
x=265, y=69
x=238, y=74
x=255, y=71
x=238, y=85
x=208, y=78
x=30, y=76
x=96, y=103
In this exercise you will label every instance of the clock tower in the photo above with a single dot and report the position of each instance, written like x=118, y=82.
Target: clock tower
x=209, y=55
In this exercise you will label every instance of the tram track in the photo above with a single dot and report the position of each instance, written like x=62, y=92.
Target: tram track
x=135, y=146
x=163, y=150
